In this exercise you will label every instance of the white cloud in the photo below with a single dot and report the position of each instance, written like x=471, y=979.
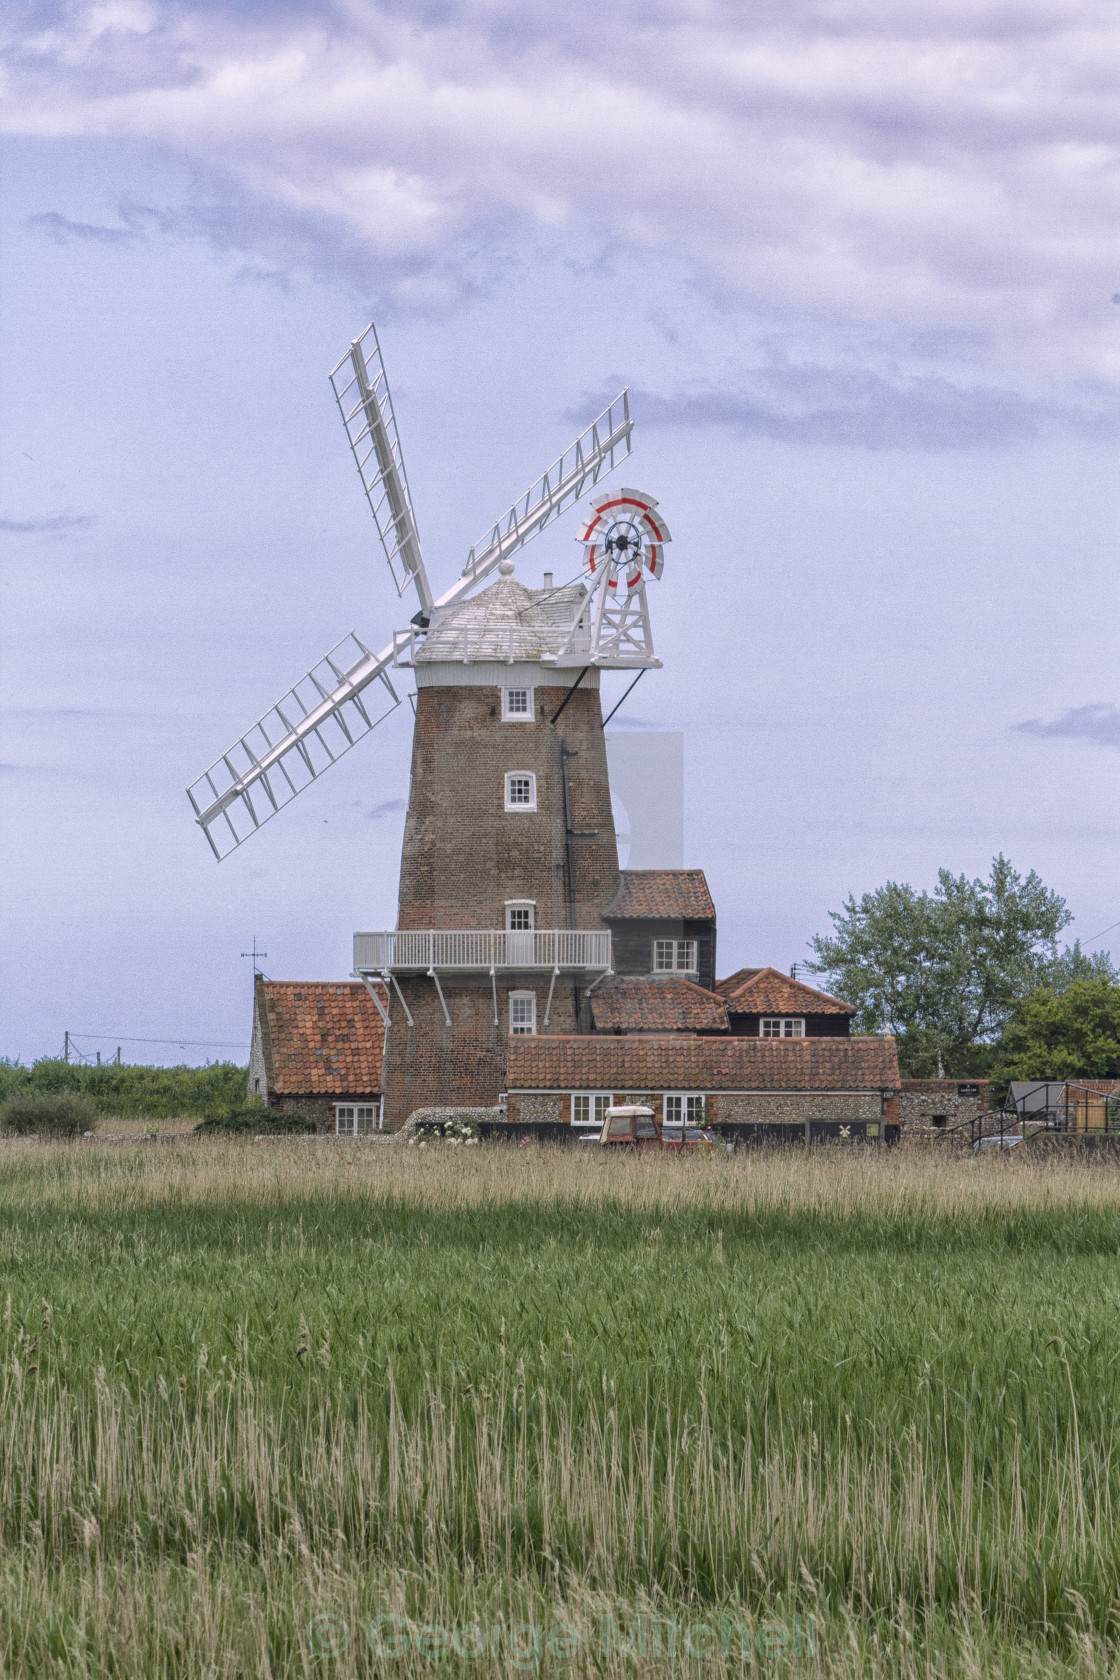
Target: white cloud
x=935, y=187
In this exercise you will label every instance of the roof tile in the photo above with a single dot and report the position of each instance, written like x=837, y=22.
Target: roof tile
x=327, y=1038
x=767, y=991
x=662, y=895
x=672, y=1004
x=702, y=1064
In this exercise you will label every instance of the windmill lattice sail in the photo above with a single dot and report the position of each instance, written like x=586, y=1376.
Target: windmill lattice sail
x=595, y=452
x=307, y=731
x=361, y=388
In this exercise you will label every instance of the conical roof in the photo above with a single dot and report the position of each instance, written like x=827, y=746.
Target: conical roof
x=505, y=621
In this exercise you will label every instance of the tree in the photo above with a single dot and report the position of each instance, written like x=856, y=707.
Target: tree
x=1076, y=964
x=943, y=971
x=1074, y=1034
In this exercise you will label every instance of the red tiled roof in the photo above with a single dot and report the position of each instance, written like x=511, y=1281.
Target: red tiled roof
x=672, y=1004
x=327, y=1038
x=766, y=991
x=734, y=981
x=662, y=895
x=701, y=1064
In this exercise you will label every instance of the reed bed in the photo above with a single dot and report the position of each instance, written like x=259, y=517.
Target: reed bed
x=831, y=1414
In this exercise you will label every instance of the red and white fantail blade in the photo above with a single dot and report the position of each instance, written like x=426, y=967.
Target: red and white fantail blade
x=625, y=535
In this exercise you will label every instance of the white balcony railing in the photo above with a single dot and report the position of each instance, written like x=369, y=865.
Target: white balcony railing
x=481, y=949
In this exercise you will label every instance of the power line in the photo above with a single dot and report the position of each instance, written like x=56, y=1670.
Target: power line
x=1101, y=934
x=193, y=1043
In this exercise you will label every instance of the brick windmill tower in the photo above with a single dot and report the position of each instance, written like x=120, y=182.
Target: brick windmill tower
x=509, y=858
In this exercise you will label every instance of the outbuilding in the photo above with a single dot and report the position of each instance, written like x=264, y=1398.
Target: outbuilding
x=317, y=1050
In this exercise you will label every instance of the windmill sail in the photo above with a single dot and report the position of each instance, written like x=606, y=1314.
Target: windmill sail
x=596, y=451
x=307, y=731
x=361, y=390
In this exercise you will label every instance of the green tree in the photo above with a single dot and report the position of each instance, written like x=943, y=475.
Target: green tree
x=1074, y=1034
x=1076, y=964
x=943, y=971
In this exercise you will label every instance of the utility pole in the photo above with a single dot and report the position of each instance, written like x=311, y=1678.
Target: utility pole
x=66, y=1049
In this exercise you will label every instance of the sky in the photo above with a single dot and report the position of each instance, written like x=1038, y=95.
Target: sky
x=857, y=261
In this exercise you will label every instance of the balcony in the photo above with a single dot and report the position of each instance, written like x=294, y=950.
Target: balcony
x=482, y=951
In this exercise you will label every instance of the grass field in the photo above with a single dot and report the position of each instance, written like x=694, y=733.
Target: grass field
x=521, y=1410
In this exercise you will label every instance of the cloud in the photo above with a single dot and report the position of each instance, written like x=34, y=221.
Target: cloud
x=376, y=812
x=930, y=192
x=1098, y=722
x=862, y=408
x=64, y=231
x=55, y=525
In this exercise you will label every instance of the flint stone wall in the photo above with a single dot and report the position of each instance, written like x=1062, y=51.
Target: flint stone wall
x=955, y=1099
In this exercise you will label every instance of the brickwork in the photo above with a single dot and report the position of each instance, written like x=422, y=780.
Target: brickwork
x=464, y=854
x=929, y=1105
x=431, y=1064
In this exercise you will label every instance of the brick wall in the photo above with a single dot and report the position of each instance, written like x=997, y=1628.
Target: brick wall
x=431, y=1064
x=464, y=855
x=922, y=1101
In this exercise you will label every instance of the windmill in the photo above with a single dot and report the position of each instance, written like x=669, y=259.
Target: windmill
x=509, y=854
x=329, y=709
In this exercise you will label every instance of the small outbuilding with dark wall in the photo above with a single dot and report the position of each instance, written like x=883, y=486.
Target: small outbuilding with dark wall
x=765, y=1003
x=317, y=1051
x=663, y=921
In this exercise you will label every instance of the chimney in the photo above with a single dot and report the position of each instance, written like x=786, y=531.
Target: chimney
x=548, y=580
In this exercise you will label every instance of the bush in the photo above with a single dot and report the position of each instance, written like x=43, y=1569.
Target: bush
x=49, y=1114
x=255, y=1120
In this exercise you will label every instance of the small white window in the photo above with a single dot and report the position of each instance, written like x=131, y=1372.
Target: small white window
x=523, y=1012
x=352, y=1119
x=684, y=1110
x=520, y=915
x=521, y=791
x=674, y=956
x=781, y=1026
x=517, y=705
x=589, y=1108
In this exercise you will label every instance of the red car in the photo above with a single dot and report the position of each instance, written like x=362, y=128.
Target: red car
x=633, y=1126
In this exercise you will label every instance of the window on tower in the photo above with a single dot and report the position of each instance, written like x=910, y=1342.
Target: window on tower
x=523, y=1012
x=521, y=791
x=517, y=705
x=520, y=915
